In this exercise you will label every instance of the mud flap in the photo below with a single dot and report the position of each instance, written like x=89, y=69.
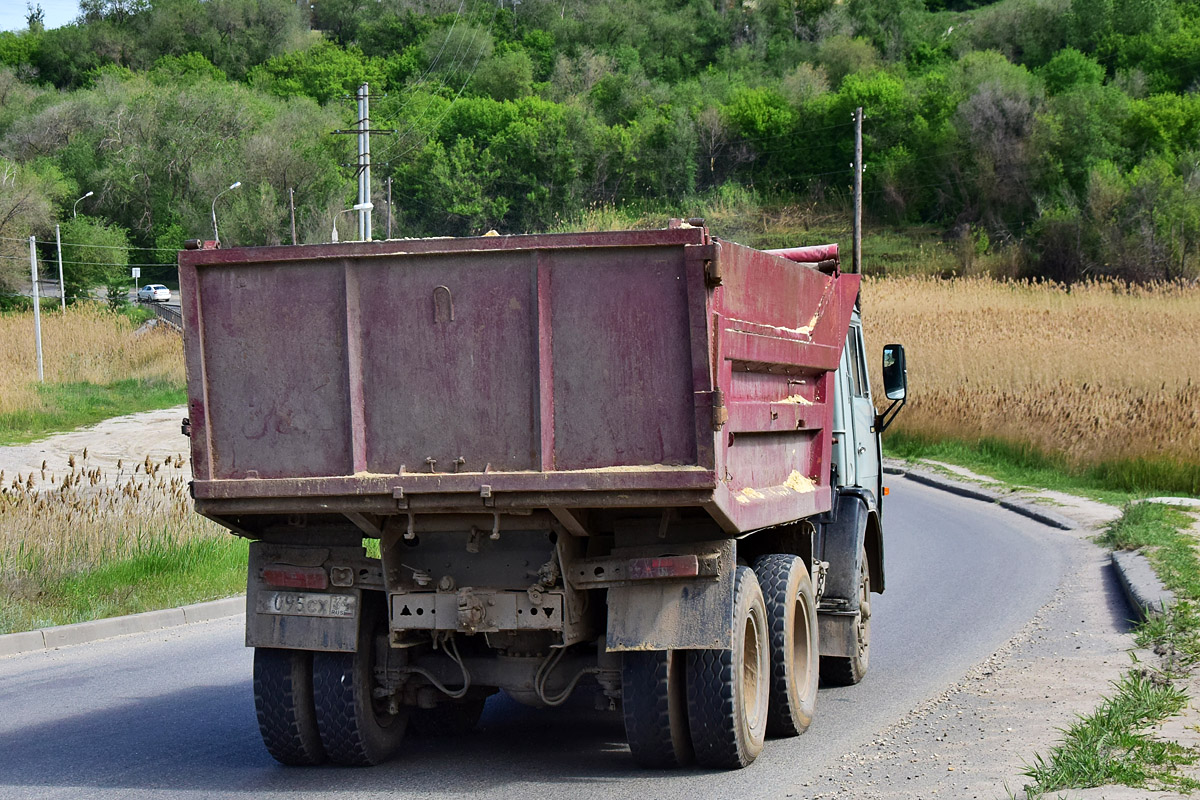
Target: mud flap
x=691, y=614
x=837, y=633
x=299, y=619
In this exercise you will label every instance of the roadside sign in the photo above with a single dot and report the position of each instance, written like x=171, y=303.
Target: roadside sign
x=137, y=272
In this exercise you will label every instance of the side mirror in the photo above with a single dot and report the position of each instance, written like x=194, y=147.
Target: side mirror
x=895, y=372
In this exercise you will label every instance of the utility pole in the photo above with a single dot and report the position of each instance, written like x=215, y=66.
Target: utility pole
x=37, y=307
x=364, y=163
x=62, y=287
x=292, y=205
x=362, y=129
x=389, y=206
x=856, y=257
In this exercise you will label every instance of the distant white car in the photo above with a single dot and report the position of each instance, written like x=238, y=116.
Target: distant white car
x=154, y=293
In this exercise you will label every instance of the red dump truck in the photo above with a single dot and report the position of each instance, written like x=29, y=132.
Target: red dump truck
x=643, y=464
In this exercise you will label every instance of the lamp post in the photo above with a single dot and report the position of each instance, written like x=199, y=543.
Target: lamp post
x=77, y=202
x=356, y=207
x=232, y=186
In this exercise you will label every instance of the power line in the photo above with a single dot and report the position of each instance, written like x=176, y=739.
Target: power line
x=25, y=240
x=95, y=263
x=474, y=69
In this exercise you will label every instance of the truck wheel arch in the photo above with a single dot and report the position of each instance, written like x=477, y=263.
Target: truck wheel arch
x=874, y=545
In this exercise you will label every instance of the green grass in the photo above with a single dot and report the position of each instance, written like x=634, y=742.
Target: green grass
x=1158, y=530
x=1111, y=745
x=67, y=406
x=165, y=574
x=1023, y=465
x=1108, y=746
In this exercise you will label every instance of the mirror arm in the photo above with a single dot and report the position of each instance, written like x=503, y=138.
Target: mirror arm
x=884, y=421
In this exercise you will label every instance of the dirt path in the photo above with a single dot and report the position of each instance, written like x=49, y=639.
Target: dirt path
x=124, y=440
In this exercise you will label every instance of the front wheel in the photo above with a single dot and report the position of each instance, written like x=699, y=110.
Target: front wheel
x=727, y=690
x=847, y=671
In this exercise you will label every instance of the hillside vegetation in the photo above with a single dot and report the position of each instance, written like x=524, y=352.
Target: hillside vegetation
x=1031, y=137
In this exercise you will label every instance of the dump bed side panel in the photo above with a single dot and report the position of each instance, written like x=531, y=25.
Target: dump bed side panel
x=779, y=329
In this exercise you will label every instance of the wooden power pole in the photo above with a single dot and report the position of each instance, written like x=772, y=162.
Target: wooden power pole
x=856, y=257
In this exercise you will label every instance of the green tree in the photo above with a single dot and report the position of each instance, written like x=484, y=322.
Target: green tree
x=505, y=76
x=95, y=253
x=323, y=72
x=27, y=199
x=1070, y=68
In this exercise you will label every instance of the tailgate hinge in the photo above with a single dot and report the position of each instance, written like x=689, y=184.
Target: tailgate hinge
x=720, y=413
x=710, y=255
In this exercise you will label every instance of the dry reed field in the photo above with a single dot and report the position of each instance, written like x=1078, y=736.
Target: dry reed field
x=64, y=525
x=79, y=537
x=64, y=517
x=87, y=344
x=1098, y=372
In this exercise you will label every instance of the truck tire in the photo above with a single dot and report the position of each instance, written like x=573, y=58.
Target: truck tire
x=356, y=728
x=283, y=699
x=654, y=703
x=448, y=719
x=728, y=690
x=847, y=671
x=795, y=652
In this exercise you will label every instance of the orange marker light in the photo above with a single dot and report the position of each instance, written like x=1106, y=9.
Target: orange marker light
x=886, y=491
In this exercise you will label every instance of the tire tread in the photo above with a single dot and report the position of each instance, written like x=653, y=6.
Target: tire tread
x=283, y=702
x=646, y=705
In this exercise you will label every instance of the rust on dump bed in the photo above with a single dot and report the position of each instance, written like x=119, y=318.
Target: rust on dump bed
x=593, y=370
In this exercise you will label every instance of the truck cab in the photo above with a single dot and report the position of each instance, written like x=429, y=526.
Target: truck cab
x=852, y=532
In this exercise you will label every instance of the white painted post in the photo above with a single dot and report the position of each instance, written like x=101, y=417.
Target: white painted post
x=62, y=287
x=37, y=306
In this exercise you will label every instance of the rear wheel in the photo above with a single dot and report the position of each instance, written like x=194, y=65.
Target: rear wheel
x=847, y=671
x=283, y=698
x=357, y=728
x=655, y=707
x=792, y=625
x=727, y=690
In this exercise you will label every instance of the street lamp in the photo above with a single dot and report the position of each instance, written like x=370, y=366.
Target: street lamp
x=356, y=207
x=232, y=186
x=85, y=197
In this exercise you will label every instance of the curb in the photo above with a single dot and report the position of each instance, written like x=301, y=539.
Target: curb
x=1029, y=510
x=12, y=644
x=1146, y=594
x=1141, y=586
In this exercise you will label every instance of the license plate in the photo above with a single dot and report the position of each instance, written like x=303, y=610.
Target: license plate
x=307, y=605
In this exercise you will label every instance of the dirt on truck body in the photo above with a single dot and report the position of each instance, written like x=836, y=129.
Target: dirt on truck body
x=643, y=464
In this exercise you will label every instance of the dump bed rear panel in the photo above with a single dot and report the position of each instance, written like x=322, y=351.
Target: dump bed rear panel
x=574, y=370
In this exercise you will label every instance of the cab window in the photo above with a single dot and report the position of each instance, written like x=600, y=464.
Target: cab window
x=857, y=369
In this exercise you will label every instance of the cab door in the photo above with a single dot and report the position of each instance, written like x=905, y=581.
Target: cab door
x=865, y=441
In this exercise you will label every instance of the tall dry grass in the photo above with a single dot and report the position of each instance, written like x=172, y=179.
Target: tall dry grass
x=1098, y=372
x=65, y=518
x=87, y=344
x=78, y=543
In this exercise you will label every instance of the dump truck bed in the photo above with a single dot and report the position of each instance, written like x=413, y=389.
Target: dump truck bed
x=568, y=371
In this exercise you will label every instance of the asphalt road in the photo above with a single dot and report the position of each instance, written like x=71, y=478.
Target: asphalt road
x=171, y=714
